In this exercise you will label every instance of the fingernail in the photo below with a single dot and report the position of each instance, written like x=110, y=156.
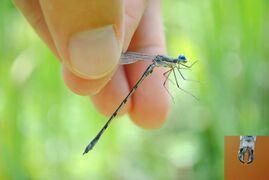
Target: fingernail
x=94, y=53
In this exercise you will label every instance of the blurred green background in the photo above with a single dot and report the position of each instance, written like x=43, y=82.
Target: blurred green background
x=44, y=127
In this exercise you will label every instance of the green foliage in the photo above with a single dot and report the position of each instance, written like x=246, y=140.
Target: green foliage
x=44, y=127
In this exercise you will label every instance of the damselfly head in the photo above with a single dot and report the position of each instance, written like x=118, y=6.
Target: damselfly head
x=182, y=58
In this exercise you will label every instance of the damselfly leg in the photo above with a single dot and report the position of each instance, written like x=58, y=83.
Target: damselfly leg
x=181, y=87
x=190, y=66
x=186, y=67
x=168, y=73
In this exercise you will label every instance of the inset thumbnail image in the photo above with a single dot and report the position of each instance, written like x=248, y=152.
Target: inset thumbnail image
x=246, y=157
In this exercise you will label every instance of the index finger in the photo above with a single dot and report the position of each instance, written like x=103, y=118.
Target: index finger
x=150, y=102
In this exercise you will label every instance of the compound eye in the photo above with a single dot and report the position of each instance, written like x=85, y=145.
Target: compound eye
x=182, y=57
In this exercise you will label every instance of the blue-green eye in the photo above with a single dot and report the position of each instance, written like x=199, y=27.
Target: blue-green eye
x=182, y=57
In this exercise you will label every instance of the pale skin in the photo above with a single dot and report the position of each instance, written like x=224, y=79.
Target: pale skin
x=88, y=37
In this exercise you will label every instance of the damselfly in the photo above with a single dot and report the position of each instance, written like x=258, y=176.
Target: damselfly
x=174, y=64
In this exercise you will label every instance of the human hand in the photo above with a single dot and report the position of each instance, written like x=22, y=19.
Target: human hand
x=88, y=37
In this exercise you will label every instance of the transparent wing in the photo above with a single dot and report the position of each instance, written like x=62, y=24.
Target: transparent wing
x=131, y=57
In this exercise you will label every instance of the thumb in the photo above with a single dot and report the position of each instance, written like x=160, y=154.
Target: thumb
x=87, y=34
